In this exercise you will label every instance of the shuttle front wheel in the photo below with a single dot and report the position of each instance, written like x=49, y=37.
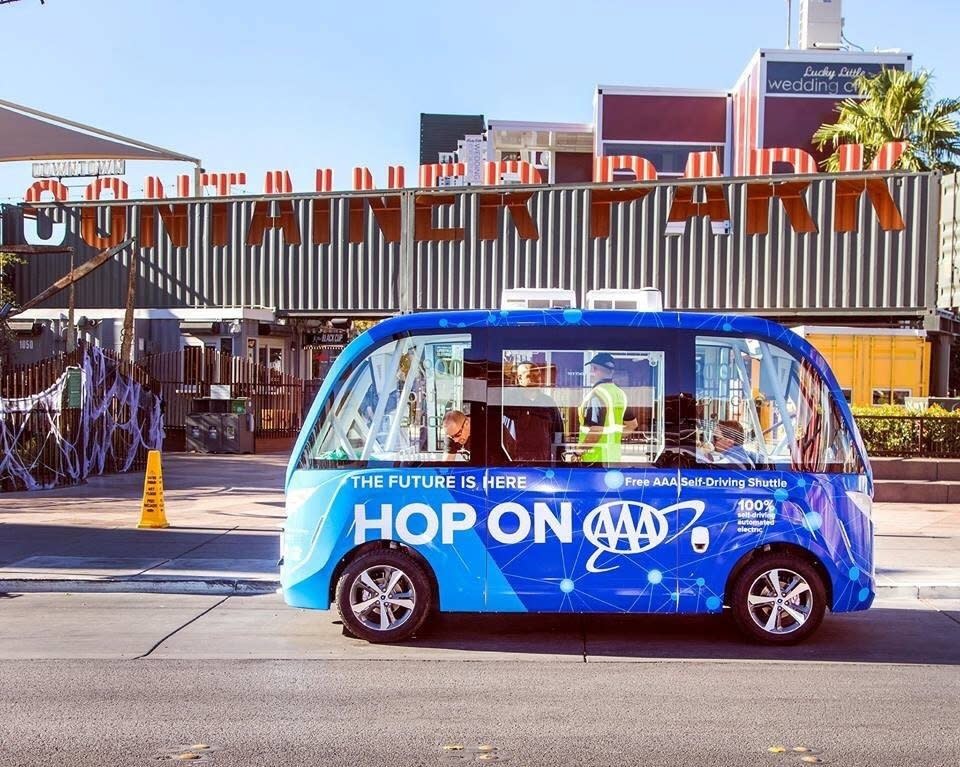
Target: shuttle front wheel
x=384, y=596
x=778, y=598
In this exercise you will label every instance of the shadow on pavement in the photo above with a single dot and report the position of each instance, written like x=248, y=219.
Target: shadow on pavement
x=87, y=494
x=118, y=551
x=880, y=635
x=246, y=514
x=202, y=474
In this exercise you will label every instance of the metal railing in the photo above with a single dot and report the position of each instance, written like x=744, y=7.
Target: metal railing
x=48, y=441
x=25, y=380
x=276, y=398
x=917, y=436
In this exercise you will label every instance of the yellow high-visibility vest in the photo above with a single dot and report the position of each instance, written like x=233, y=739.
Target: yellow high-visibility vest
x=614, y=400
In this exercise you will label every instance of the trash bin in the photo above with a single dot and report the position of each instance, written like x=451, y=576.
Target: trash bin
x=203, y=432
x=236, y=436
x=220, y=426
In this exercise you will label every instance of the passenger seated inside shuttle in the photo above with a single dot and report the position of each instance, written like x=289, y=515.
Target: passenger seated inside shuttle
x=727, y=446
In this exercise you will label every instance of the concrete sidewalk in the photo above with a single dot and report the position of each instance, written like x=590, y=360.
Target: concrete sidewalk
x=226, y=512
x=917, y=550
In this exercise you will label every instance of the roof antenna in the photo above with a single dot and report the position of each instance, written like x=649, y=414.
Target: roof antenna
x=844, y=38
x=789, y=21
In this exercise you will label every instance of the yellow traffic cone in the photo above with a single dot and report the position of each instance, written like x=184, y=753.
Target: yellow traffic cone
x=151, y=510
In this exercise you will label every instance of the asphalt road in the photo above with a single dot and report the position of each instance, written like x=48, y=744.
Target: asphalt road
x=140, y=679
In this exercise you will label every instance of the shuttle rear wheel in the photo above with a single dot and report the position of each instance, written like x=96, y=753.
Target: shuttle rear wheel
x=778, y=598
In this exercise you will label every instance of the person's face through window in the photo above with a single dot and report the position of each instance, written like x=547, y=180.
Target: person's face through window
x=726, y=439
x=459, y=432
x=527, y=376
x=600, y=373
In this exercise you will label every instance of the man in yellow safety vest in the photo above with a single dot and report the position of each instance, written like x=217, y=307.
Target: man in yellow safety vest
x=604, y=414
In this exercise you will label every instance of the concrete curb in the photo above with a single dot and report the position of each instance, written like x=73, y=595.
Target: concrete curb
x=940, y=591
x=210, y=586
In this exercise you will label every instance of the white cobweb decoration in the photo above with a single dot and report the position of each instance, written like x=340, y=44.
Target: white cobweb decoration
x=43, y=443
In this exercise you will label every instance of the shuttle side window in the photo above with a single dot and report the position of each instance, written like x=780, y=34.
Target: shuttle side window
x=391, y=407
x=554, y=406
x=758, y=406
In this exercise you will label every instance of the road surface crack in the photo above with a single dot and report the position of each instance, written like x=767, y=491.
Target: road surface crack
x=932, y=604
x=951, y=617
x=180, y=628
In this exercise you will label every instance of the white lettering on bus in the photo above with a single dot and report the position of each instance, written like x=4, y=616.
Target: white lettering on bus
x=523, y=523
x=615, y=527
x=361, y=523
x=430, y=531
x=451, y=523
x=562, y=527
x=458, y=517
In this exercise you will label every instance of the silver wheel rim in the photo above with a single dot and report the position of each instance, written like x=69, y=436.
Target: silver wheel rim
x=780, y=601
x=382, y=598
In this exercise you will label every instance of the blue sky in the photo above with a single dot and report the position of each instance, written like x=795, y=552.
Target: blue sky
x=298, y=84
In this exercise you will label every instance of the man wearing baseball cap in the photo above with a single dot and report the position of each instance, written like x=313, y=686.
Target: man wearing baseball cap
x=603, y=413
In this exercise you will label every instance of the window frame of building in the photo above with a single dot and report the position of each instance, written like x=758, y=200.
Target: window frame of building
x=646, y=150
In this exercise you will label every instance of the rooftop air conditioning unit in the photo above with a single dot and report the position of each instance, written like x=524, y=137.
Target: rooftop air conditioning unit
x=642, y=300
x=537, y=298
x=821, y=24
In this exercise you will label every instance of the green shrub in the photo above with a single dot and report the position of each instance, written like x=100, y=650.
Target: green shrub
x=899, y=431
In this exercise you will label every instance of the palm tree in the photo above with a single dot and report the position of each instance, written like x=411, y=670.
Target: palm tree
x=896, y=107
x=7, y=302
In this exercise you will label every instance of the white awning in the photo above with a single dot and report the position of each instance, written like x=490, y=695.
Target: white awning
x=28, y=134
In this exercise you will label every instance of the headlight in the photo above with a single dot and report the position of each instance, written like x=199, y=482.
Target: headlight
x=862, y=501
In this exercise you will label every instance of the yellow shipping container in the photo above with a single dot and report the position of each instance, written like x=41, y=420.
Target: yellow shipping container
x=875, y=366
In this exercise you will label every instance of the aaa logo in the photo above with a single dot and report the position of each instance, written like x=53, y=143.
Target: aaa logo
x=631, y=527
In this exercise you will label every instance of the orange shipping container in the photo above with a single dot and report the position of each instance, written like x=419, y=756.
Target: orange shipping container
x=875, y=366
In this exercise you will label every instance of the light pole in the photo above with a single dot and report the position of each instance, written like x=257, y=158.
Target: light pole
x=789, y=21
x=71, y=335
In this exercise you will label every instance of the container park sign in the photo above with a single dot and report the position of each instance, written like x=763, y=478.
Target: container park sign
x=372, y=253
x=293, y=220
x=74, y=168
x=698, y=195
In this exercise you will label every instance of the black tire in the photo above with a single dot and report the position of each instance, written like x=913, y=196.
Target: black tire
x=388, y=617
x=770, y=618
